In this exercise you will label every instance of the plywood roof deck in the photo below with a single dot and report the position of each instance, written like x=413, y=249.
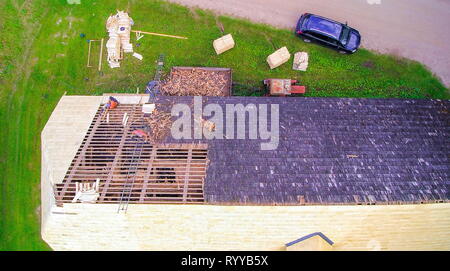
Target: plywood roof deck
x=152, y=173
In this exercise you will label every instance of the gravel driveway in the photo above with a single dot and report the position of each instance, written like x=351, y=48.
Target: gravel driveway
x=416, y=29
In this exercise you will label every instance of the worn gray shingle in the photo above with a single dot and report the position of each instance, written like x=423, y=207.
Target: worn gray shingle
x=334, y=151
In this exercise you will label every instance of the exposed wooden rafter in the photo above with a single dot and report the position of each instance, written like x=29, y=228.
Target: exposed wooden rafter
x=165, y=173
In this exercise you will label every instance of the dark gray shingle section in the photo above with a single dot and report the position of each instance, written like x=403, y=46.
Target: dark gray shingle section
x=335, y=151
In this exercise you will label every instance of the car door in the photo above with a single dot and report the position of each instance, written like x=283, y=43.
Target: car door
x=324, y=39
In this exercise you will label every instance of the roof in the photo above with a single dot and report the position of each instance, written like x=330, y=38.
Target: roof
x=334, y=151
x=125, y=168
x=324, y=25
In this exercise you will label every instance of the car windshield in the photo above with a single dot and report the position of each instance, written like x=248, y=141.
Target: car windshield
x=344, y=35
x=353, y=41
x=305, y=21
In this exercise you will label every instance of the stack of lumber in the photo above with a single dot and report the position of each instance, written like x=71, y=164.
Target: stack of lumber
x=113, y=50
x=124, y=27
x=186, y=81
x=278, y=58
x=119, y=27
x=223, y=44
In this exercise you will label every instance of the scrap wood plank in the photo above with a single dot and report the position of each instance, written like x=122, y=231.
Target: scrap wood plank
x=101, y=56
x=89, y=55
x=139, y=36
x=116, y=158
x=158, y=34
x=79, y=158
x=89, y=51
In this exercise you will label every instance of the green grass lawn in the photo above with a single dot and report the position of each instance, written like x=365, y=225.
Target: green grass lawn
x=42, y=56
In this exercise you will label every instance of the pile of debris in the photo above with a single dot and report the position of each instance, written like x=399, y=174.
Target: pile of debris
x=159, y=122
x=300, y=61
x=197, y=81
x=282, y=55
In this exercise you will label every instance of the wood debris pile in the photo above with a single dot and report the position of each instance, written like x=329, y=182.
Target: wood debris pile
x=300, y=61
x=160, y=123
x=197, y=82
x=209, y=125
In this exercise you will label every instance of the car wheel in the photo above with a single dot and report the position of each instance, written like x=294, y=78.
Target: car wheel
x=342, y=52
x=306, y=40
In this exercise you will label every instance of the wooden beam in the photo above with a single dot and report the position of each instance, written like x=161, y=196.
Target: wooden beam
x=101, y=55
x=116, y=158
x=147, y=175
x=89, y=54
x=158, y=34
x=186, y=175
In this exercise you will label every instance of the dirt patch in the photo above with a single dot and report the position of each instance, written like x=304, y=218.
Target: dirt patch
x=397, y=55
x=270, y=41
x=167, y=7
x=194, y=13
x=368, y=64
x=219, y=24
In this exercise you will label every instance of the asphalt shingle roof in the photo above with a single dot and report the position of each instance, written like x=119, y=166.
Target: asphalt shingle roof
x=335, y=151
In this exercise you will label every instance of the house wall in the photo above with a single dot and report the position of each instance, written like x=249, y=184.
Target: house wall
x=213, y=227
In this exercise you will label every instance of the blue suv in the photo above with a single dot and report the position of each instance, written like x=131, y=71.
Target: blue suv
x=339, y=36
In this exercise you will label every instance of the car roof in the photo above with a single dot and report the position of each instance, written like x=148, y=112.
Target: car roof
x=324, y=25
